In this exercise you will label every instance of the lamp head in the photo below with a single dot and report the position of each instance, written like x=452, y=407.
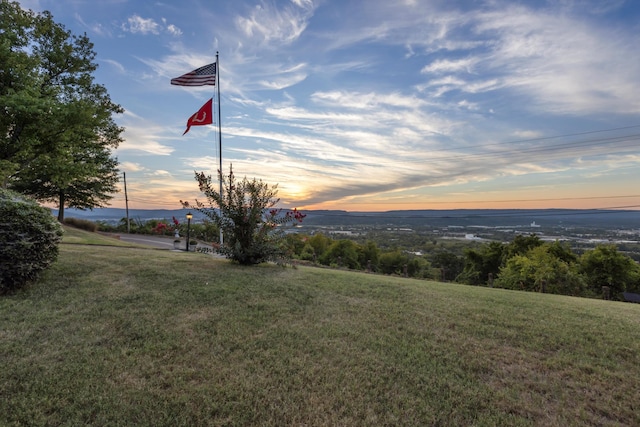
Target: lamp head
x=189, y=215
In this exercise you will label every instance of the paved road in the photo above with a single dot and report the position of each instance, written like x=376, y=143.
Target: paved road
x=159, y=242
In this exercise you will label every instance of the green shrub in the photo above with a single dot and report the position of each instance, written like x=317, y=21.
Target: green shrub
x=83, y=224
x=29, y=238
x=106, y=227
x=207, y=231
x=606, y=266
x=245, y=212
x=393, y=262
x=342, y=253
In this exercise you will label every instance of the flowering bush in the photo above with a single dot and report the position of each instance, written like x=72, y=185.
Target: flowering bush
x=245, y=212
x=167, y=229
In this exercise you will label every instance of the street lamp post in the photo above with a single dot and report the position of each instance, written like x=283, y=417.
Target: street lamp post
x=189, y=216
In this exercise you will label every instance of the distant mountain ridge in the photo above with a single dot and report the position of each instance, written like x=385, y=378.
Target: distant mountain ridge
x=108, y=214
x=616, y=219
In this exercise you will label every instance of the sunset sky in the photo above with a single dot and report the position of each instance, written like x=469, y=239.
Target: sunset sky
x=377, y=105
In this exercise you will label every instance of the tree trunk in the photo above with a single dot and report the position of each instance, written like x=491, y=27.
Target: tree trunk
x=61, y=208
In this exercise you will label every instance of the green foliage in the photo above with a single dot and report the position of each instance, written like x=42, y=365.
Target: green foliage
x=369, y=255
x=540, y=269
x=341, y=253
x=450, y=265
x=530, y=264
x=562, y=251
x=206, y=231
x=83, y=224
x=307, y=253
x=605, y=266
x=520, y=245
x=318, y=243
x=400, y=263
x=392, y=262
x=106, y=226
x=634, y=284
x=137, y=225
x=295, y=243
x=420, y=267
x=56, y=127
x=481, y=264
x=29, y=238
x=245, y=212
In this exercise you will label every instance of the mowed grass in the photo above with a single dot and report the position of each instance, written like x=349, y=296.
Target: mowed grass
x=76, y=236
x=129, y=336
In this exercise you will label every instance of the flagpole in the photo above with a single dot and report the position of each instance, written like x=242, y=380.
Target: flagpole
x=219, y=139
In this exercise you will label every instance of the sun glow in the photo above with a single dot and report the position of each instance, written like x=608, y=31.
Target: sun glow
x=292, y=192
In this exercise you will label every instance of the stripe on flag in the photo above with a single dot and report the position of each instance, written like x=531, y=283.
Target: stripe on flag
x=202, y=76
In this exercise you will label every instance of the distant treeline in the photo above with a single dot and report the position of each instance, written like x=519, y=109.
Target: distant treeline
x=527, y=263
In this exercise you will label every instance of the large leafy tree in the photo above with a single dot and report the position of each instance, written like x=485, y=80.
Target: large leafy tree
x=481, y=264
x=450, y=265
x=369, y=255
x=342, y=252
x=56, y=124
x=520, y=245
x=542, y=269
x=605, y=266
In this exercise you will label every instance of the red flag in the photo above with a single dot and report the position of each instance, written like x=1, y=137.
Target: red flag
x=202, y=76
x=204, y=116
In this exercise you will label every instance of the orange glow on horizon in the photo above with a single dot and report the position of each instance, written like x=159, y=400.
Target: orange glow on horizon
x=457, y=205
x=169, y=199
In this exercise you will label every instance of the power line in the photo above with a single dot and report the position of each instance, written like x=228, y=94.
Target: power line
x=628, y=140
x=520, y=200
x=539, y=139
x=567, y=135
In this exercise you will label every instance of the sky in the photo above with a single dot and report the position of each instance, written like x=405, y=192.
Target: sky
x=376, y=105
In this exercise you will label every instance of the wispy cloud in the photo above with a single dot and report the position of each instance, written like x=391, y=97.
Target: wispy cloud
x=398, y=99
x=549, y=57
x=132, y=166
x=171, y=28
x=266, y=23
x=115, y=64
x=447, y=65
x=143, y=136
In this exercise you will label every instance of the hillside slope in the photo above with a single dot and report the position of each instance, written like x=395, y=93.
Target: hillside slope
x=130, y=336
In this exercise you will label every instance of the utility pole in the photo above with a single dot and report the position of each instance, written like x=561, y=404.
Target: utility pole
x=126, y=199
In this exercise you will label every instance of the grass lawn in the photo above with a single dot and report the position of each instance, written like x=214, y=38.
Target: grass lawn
x=129, y=336
x=77, y=236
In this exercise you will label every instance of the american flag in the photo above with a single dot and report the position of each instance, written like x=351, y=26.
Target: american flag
x=202, y=76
